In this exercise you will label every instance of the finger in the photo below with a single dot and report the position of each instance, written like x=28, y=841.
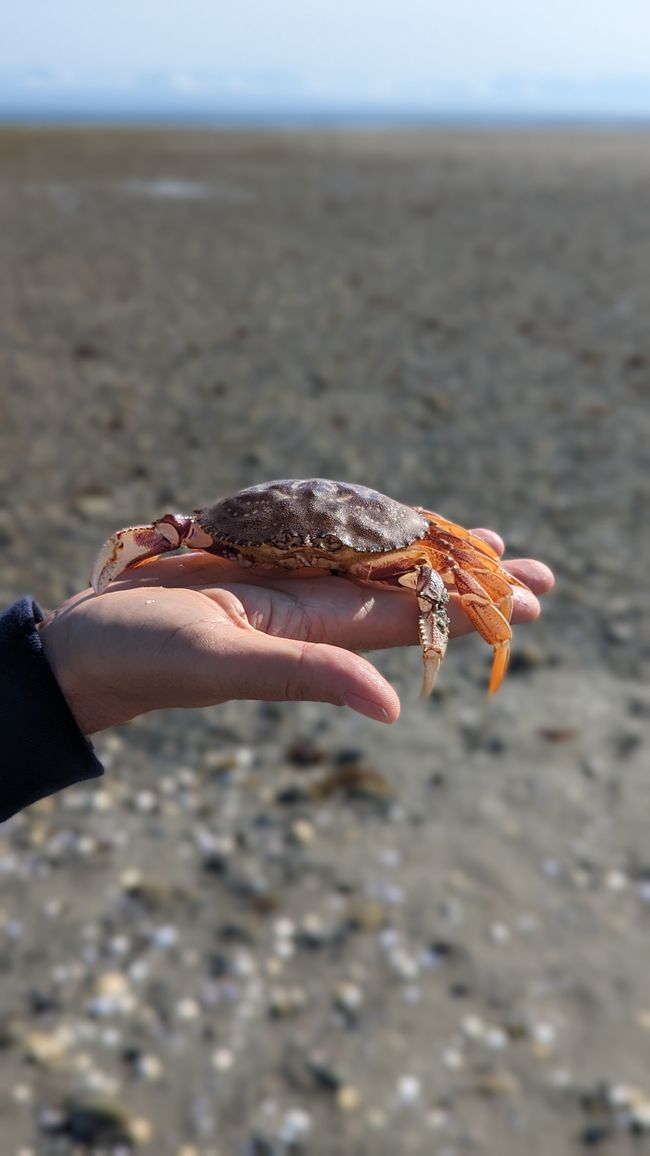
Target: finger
x=358, y=615
x=538, y=577
x=265, y=667
x=354, y=615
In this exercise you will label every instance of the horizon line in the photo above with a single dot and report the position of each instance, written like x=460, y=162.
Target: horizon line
x=287, y=117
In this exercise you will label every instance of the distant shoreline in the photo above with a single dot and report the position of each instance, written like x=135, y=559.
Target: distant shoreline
x=286, y=120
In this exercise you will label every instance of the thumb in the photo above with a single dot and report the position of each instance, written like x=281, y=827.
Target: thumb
x=275, y=669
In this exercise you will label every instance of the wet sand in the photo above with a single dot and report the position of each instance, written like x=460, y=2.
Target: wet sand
x=275, y=930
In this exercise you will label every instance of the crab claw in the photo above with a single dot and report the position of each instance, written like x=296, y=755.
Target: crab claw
x=129, y=547
x=433, y=624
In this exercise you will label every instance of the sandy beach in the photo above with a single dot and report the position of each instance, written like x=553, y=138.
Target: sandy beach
x=284, y=930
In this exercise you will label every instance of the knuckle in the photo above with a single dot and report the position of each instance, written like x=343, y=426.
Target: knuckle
x=298, y=682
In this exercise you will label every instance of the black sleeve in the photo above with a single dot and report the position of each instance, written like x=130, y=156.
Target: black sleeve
x=43, y=749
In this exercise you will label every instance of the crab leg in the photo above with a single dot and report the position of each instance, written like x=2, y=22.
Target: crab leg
x=499, y=589
x=488, y=619
x=443, y=527
x=415, y=573
x=433, y=623
x=485, y=596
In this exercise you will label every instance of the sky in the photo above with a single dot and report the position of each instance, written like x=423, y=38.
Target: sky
x=408, y=57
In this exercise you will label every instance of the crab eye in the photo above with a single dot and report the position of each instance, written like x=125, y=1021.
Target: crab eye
x=327, y=542
x=288, y=540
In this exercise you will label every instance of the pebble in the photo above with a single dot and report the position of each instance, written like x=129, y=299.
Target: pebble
x=94, y=1079
x=499, y=933
x=113, y=995
x=369, y=916
x=355, y=780
x=453, y=1059
x=622, y=1106
x=496, y=1038
x=295, y=1126
x=53, y=908
x=302, y=832
x=348, y=998
x=403, y=964
x=640, y=1116
x=141, y=1130
x=149, y=1067
x=284, y=929
x=222, y=1060
x=90, y=1124
x=323, y=1073
x=165, y=936
x=348, y=1098
x=526, y=657
x=313, y=932
x=111, y=1037
x=94, y=504
x=497, y=1082
x=285, y=948
x=188, y=1009
x=473, y=1027
x=287, y=1001
x=119, y=945
x=130, y=878
x=139, y=970
x=22, y=1093
x=102, y=801
x=146, y=802
x=49, y=1049
x=408, y=1089
x=543, y=1037
x=437, y=1119
x=304, y=752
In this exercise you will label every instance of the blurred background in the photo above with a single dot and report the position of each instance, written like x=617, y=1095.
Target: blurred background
x=401, y=244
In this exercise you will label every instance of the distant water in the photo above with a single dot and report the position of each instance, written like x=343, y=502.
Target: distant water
x=292, y=118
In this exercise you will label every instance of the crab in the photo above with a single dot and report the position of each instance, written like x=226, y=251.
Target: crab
x=346, y=530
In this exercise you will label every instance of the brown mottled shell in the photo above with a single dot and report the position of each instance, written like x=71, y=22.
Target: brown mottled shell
x=313, y=513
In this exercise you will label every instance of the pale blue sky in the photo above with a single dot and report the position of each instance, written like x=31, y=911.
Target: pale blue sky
x=566, y=56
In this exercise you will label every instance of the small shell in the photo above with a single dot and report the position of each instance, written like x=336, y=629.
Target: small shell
x=314, y=513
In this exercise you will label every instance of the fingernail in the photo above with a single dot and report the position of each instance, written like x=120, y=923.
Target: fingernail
x=366, y=706
x=526, y=602
x=521, y=595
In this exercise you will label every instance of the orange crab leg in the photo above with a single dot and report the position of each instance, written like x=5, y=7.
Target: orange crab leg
x=488, y=619
x=442, y=524
x=499, y=589
x=485, y=595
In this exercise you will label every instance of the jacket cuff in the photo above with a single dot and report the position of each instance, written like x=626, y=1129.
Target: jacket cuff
x=42, y=749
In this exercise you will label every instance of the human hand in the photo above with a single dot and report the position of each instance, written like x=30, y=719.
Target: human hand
x=195, y=630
